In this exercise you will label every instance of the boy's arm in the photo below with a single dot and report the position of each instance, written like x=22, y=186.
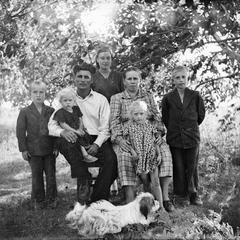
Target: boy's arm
x=21, y=130
x=201, y=109
x=165, y=113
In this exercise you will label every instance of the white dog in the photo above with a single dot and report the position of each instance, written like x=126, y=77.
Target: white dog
x=102, y=217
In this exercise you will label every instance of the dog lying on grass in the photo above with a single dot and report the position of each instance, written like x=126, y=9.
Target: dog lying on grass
x=103, y=217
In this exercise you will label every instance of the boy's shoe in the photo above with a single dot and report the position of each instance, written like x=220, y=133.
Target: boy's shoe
x=51, y=204
x=168, y=206
x=195, y=199
x=183, y=200
x=89, y=159
x=38, y=206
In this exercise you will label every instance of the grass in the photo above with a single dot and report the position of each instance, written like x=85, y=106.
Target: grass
x=220, y=192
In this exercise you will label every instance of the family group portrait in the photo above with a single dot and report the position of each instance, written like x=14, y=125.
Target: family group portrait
x=120, y=119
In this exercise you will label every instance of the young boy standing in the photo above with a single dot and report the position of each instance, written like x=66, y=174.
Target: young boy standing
x=37, y=146
x=182, y=112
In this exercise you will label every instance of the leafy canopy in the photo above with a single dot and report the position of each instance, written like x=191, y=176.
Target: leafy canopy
x=44, y=39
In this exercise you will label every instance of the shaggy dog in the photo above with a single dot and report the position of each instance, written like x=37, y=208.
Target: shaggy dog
x=102, y=217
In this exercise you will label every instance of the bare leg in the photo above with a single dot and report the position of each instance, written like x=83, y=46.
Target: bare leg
x=157, y=191
x=146, y=183
x=129, y=193
x=165, y=181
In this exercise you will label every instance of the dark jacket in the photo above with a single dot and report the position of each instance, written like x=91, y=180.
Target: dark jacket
x=32, y=130
x=182, y=119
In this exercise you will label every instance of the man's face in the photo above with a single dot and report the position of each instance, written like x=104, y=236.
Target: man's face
x=83, y=80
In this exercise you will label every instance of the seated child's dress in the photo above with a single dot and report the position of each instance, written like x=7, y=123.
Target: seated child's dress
x=142, y=139
x=72, y=119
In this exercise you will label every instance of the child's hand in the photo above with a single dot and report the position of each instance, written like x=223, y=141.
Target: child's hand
x=80, y=132
x=26, y=155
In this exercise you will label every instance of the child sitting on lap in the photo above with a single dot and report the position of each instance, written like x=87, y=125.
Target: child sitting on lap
x=69, y=118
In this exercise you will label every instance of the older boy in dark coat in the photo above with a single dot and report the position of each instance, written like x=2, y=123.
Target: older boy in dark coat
x=182, y=112
x=37, y=146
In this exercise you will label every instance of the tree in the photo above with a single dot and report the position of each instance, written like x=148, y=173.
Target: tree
x=49, y=37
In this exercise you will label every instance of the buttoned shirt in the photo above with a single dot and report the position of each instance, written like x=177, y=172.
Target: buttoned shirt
x=96, y=111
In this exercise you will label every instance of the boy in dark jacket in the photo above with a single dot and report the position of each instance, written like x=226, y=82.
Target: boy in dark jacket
x=182, y=112
x=37, y=146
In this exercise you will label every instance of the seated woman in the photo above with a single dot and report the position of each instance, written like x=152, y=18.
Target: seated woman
x=119, y=106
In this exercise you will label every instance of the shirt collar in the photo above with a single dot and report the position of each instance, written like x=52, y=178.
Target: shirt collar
x=140, y=93
x=90, y=94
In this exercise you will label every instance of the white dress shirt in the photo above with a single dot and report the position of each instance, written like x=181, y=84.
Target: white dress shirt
x=96, y=112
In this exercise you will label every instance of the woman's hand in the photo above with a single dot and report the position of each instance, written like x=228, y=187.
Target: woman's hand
x=125, y=145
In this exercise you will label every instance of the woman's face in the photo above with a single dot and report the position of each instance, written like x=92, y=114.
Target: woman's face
x=104, y=60
x=132, y=81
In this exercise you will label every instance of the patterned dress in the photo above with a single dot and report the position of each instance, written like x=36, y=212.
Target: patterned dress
x=142, y=139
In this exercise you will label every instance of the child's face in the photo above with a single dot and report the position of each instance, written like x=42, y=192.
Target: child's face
x=67, y=102
x=38, y=93
x=139, y=115
x=180, y=79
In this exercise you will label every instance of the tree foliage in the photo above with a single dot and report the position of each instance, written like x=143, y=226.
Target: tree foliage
x=44, y=39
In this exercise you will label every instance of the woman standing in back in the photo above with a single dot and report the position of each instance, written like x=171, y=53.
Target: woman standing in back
x=106, y=81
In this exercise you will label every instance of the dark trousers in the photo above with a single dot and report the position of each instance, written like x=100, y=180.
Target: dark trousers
x=107, y=161
x=185, y=170
x=40, y=165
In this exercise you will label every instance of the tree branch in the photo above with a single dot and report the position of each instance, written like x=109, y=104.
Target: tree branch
x=214, y=80
x=223, y=40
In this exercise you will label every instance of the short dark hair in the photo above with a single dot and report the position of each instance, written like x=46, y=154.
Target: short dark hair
x=84, y=67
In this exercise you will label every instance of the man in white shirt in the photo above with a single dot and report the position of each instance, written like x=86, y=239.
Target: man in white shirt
x=95, y=109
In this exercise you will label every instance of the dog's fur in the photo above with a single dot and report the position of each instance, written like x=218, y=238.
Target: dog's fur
x=102, y=217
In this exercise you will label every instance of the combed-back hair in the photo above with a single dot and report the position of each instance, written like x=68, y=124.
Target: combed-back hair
x=179, y=68
x=84, y=67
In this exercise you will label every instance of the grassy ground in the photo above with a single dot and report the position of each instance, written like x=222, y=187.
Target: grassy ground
x=219, y=180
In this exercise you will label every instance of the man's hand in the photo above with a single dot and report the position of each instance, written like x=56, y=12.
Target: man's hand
x=26, y=155
x=69, y=136
x=92, y=149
